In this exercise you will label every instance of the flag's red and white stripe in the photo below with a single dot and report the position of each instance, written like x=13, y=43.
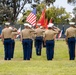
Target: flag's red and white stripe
x=18, y=31
x=60, y=34
x=31, y=19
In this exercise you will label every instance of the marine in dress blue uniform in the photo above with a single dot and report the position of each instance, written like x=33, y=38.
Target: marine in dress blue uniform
x=39, y=39
x=49, y=40
x=6, y=38
x=26, y=42
x=70, y=40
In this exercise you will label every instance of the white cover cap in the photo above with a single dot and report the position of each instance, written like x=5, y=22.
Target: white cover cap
x=26, y=24
x=30, y=26
x=50, y=24
x=71, y=23
x=7, y=23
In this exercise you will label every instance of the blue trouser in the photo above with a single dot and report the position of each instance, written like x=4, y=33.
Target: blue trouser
x=71, y=45
x=75, y=46
x=50, y=49
x=31, y=42
x=39, y=41
x=7, y=49
x=26, y=49
x=12, y=48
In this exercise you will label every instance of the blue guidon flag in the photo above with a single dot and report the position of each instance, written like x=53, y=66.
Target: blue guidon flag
x=32, y=17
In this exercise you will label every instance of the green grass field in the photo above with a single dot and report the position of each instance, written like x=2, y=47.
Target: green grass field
x=38, y=65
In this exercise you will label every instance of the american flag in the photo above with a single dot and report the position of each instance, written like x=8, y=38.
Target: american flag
x=32, y=17
x=60, y=34
x=18, y=31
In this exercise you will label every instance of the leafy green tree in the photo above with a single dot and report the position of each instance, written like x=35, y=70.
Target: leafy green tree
x=48, y=2
x=72, y=2
x=74, y=12
x=58, y=14
x=11, y=8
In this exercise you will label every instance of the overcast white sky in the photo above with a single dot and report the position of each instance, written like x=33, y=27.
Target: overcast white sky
x=63, y=3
